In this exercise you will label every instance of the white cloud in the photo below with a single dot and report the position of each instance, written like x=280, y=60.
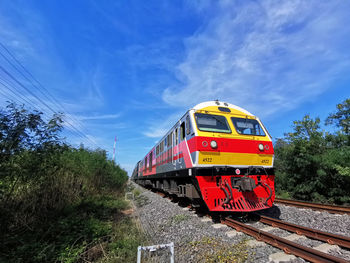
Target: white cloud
x=158, y=132
x=265, y=56
x=99, y=117
x=159, y=127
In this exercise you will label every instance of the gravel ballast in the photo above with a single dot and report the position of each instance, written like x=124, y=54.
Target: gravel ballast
x=196, y=240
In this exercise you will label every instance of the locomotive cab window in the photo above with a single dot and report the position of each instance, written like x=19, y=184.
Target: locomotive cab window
x=247, y=126
x=212, y=123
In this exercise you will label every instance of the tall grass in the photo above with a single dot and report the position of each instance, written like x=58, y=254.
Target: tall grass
x=56, y=201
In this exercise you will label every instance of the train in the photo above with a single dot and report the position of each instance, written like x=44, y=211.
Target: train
x=218, y=155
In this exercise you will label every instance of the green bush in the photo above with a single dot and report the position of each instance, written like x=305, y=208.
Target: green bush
x=313, y=165
x=55, y=200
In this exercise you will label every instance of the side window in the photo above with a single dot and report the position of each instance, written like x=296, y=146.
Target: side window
x=157, y=150
x=146, y=164
x=188, y=125
x=177, y=136
x=182, y=131
x=170, y=141
x=150, y=161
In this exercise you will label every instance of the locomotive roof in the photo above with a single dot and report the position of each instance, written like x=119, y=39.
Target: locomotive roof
x=201, y=106
x=220, y=104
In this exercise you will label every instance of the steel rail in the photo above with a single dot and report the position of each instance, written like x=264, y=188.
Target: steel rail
x=316, y=206
x=287, y=246
x=330, y=238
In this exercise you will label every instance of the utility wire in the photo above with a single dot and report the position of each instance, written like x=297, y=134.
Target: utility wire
x=68, y=116
x=15, y=96
x=40, y=88
x=14, y=99
x=34, y=95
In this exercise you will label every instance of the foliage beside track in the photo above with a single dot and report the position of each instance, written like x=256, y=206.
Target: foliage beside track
x=312, y=164
x=58, y=203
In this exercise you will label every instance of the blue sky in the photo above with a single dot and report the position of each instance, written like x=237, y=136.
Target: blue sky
x=132, y=68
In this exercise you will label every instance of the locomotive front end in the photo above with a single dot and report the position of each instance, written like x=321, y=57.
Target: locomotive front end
x=233, y=155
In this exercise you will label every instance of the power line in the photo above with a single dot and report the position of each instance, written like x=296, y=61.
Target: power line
x=78, y=132
x=8, y=96
x=46, y=93
x=14, y=93
x=14, y=98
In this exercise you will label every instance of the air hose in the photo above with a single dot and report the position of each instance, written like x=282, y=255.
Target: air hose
x=270, y=195
x=228, y=195
x=229, y=188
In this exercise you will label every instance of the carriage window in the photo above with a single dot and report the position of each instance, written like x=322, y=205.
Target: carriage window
x=157, y=150
x=188, y=125
x=170, y=141
x=161, y=147
x=247, y=126
x=150, y=161
x=182, y=131
x=176, y=136
x=212, y=123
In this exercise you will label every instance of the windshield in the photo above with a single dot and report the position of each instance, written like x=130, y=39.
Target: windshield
x=247, y=126
x=212, y=123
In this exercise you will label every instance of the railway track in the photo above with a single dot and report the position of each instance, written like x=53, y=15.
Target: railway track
x=287, y=246
x=330, y=238
x=290, y=247
x=315, y=206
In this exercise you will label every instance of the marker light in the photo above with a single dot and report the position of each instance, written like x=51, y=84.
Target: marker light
x=213, y=144
x=261, y=147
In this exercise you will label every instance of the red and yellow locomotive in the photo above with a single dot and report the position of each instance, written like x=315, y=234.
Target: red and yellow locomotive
x=218, y=153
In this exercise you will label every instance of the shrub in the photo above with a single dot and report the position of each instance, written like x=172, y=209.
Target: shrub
x=43, y=182
x=314, y=165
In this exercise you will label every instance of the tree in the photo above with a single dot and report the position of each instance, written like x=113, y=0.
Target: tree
x=341, y=118
x=21, y=130
x=305, y=130
x=26, y=139
x=313, y=165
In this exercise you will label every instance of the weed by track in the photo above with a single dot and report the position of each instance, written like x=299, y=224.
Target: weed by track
x=94, y=230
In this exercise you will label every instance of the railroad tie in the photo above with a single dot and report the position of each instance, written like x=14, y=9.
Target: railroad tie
x=281, y=257
x=327, y=247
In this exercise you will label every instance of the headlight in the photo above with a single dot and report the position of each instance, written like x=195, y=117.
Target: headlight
x=261, y=147
x=214, y=144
